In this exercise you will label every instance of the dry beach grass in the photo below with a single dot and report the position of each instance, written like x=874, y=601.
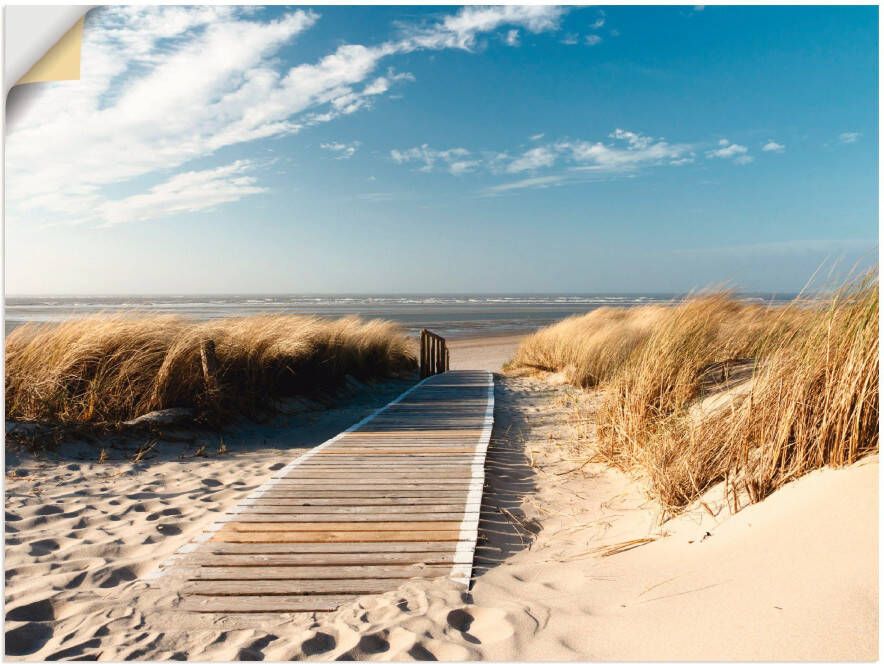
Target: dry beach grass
x=799, y=387
x=107, y=369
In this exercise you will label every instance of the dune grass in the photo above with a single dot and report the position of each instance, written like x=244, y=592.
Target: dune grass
x=811, y=399
x=108, y=369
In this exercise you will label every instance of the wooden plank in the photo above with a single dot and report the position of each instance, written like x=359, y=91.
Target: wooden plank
x=317, y=573
x=357, y=480
x=391, y=470
x=223, y=549
x=415, y=501
x=377, y=451
x=263, y=604
x=376, y=472
x=387, y=431
x=367, y=559
x=340, y=527
x=340, y=536
x=344, y=510
x=294, y=587
x=374, y=519
x=403, y=462
x=401, y=491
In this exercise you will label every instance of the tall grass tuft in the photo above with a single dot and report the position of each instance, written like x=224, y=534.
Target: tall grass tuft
x=107, y=369
x=589, y=348
x=797, y=387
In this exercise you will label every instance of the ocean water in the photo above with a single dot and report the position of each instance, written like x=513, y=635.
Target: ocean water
x=448, y=315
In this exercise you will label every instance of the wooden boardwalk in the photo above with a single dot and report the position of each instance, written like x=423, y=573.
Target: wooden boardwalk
x=394, y=497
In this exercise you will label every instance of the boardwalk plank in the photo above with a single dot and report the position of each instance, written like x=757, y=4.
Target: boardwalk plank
x=317, y=573
x=345, y=510
x=318, y=526
x=294, y=587
x=269, y=537
x=367, y=559
x=370, y=519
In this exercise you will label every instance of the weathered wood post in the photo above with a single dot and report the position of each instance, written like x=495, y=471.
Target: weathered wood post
x=432, y=369
x=434, y=355
x=440, y=358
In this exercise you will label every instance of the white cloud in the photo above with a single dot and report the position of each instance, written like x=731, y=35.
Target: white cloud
x=593, y=40
x=739, y=154
x=512, y=38
x=342, y=150
x=184, y=92
x=455, y=160
x=460, y=30
x=849, y=137
x=570, y=39
x=773, y=146
x=599, y=23
x=639, y=151
x=461, y=167
x=192, y=191
x=540, y=182
x=627, y=153
x=533, y=159
x=536, y=137
x=163, y=86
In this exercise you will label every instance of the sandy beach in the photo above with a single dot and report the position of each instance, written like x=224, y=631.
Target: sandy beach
x=489, y=353
x=572, y=562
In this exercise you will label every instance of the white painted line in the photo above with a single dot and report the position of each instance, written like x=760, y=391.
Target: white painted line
x=462, y=570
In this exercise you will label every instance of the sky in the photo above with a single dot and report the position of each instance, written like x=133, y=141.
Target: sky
x=503, y=149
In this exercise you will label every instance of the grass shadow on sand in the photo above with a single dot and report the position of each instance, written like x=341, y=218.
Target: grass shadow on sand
x=313, y=422
x=509, y=478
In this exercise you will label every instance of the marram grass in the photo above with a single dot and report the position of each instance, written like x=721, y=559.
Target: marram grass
x=811, y=399
x=107, y=369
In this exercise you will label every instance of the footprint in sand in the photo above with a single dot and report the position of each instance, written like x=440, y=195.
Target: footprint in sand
x=75, y=651
x=110, y=578
x=169, y=511
x=48, y=510
x=27, y=639
x=479, y=625
x=43, y=547
x=374, y=643
x=318, y=644
x=254, y=651
x=421, y=654
x=40, y=611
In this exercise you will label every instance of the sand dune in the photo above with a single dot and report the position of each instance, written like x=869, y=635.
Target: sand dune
x=573, y=563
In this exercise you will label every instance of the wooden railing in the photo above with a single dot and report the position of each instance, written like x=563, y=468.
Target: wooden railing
x=434, y=354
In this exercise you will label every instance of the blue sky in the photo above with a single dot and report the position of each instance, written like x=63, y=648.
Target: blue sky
x=400, y=149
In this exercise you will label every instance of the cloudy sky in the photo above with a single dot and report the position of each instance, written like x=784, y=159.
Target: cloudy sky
x=398, y=149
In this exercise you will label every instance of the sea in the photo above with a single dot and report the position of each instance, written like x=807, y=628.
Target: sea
x=454, y=316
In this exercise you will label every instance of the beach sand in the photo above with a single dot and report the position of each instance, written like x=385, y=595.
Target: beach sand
x=489, y=353
x=572, y=563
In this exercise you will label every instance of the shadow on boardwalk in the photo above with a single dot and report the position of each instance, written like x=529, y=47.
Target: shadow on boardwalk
x=509, y=477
